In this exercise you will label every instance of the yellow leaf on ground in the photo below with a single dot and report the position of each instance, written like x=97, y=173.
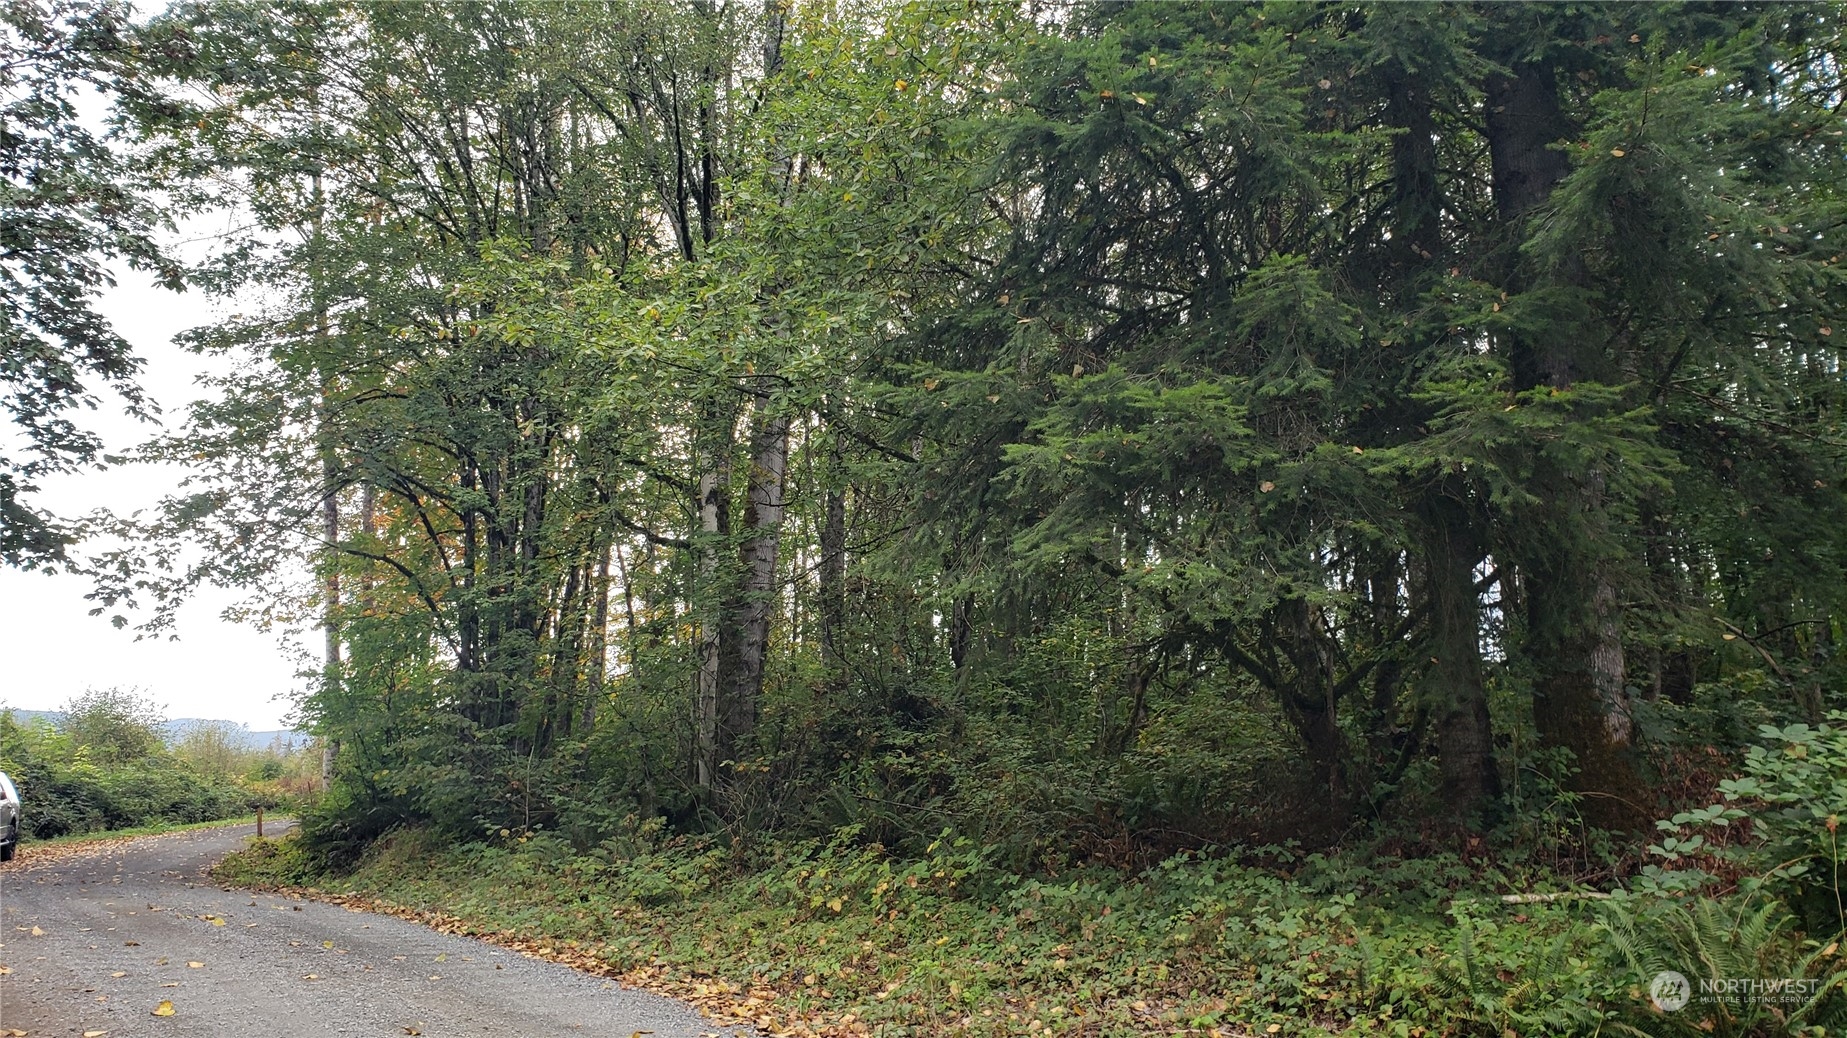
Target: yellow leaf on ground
x=94, y=1034
x=36, y=932
x=165, y=1008
x=13, y=1032
x=195, y=965
x=215, y=921
x=118, y=973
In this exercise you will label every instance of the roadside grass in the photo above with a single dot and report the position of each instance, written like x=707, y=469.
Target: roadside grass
x=35, y=852
x=837, y=938
x=151, y=829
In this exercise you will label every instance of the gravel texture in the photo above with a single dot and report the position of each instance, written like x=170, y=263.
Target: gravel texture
x=96, y=939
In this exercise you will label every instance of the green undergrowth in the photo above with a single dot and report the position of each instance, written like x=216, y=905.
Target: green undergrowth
x=853, y=940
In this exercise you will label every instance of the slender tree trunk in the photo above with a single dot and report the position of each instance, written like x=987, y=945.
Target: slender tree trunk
x=833, y=568
x=763, y=515
x=596, y=664
x=961, y=629
x=328, y=448
x=714, y=527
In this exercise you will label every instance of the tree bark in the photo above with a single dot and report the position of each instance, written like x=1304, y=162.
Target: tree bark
x=1573, y=615
x=714, y=527
x=763, y=514
x=833, y=569
x=1453, y=689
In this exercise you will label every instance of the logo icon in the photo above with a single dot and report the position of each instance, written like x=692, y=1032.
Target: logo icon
x=1669, y=991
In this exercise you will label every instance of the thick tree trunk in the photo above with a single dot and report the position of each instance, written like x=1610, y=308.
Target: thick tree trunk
x=1310, y=703
x=1580, y=702
x=1453, y=690
x=1386, y=615
x=1318, y=726
x=1573, y=615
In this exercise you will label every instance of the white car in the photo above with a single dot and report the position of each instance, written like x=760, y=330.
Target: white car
x=9, y=818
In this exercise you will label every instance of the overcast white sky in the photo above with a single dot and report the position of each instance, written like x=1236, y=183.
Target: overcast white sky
x=51, y=649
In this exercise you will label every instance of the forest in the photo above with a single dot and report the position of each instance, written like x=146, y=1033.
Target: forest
x=1295, y=451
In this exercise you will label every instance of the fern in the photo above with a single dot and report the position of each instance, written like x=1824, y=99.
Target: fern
x=1526, y=1003
x=1711, y=939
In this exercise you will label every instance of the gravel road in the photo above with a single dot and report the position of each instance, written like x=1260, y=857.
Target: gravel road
x=96, y=941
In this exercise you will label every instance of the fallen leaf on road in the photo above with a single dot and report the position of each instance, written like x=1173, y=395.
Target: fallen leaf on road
x=195, y=965
x=4, y=970
x=118, y=973
x=436, y=976
x=94, y=1034
x=311, y=976
x=175, y=984
x=36, y=932
x=412, y=1030
x=13, y=1032
x=164, y=1009
x=444, y=957
x=131, y=944
x=326, y=944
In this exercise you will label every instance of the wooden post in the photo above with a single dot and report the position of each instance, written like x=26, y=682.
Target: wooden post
x=259, y=821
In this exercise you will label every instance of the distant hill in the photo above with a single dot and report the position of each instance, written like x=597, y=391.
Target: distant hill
x=283, y=740
x=176, y=729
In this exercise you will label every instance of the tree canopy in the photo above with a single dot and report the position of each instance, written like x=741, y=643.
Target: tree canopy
x=69, y=206
x=1086, y=427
